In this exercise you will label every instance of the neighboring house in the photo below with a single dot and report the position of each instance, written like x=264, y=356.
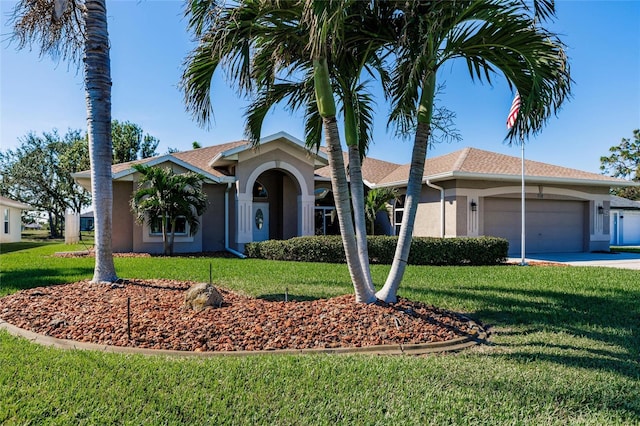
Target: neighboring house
x=282, y=190
x=86, y=222
x=624, y=218
x=11, y=211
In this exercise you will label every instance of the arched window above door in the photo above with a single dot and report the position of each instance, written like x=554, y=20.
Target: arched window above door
x=259, y=190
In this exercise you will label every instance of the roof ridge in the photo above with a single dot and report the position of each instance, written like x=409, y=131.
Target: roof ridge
x=464, y=153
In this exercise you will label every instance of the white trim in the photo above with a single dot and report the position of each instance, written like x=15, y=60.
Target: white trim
x=4, y=201
x=613, y=182
x=127, y=174
x=274, y=164
x=530, y=189
x=245, y=201
x=232, y=154
x=151, y=237
x=540, y=179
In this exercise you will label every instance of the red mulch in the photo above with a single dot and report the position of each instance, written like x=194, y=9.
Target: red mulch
x=97, y=313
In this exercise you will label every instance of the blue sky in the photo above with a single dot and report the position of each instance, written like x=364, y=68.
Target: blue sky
x=149, y=43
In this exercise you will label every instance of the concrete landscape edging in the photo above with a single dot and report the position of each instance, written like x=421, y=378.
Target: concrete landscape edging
x=399, y=349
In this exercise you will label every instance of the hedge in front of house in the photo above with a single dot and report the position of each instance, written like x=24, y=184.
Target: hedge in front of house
x=424, y=250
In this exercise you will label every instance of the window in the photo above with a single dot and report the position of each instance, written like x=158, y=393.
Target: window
x=155, y=227
x=326, y=221
x=398, y=213
x=259, y=191
x=6, y=221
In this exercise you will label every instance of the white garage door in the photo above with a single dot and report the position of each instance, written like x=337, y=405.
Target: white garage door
x=552, y=226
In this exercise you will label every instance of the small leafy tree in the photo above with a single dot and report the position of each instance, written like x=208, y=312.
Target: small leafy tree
x=376, y=201
x=624, y=162
x=166, y=196
x=38, y=173
x=129, y=143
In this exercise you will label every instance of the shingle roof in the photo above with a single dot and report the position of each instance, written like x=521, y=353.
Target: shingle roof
x=477, y=163
x=624, y=203
x=470, y=163
x=199, y=158
x=373, y=170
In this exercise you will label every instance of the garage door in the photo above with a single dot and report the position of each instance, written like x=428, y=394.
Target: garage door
x=552, y=226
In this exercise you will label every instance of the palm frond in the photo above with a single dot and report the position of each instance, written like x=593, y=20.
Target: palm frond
x=55, y=28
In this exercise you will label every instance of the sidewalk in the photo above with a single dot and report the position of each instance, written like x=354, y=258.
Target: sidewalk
x=610, y=260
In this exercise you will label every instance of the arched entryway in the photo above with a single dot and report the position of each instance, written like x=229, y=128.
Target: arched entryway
x=275, y=204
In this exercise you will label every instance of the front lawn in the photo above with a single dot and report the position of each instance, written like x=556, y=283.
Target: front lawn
x=564, y=349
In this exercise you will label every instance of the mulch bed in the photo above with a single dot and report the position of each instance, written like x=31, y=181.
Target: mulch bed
x=97, y=313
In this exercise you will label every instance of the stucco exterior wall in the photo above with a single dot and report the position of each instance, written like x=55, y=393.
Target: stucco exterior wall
x=462, y=226
x=14, y=224
x=427, y=222
x=136, y=237
x=122, y=229
x=290, y=208
x=249, y=161
x=212, y=221
x=295, y=170
x=461, y=220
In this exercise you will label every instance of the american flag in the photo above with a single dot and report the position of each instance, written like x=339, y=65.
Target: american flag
x=513, y=112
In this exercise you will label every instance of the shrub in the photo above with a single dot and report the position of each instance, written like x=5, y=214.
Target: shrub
x=424, y=250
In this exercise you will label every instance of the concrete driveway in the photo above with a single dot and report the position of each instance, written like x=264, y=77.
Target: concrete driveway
x=610, y=260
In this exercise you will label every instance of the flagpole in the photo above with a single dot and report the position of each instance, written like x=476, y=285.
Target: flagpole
x=523, y=234
x=511, y=121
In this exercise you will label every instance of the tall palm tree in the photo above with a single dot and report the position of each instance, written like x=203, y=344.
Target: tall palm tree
x=281, y=51
x=74, y=30
x=491, y=36
x=165, y=197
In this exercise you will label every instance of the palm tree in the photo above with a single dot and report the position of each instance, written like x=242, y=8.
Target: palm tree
x=376, y=201
x=491, y=36
x=267, y=45
x=74, y=30
x=164, y=197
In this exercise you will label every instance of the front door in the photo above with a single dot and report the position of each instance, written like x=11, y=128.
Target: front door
x=260, y=221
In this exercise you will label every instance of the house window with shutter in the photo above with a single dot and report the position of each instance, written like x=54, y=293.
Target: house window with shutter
x=6, y=221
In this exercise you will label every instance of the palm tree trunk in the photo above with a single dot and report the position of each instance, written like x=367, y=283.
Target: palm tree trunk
x=327, y=109
x=389, y=291
x=357, y=201
x=97, y=72
x=364, y=294
x=165, y=236
x=172, y=236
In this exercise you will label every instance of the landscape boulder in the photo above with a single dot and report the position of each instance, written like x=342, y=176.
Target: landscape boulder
x=201, y=295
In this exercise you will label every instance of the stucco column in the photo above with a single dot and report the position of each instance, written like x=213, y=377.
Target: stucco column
x=244, y=229
x=306, y=211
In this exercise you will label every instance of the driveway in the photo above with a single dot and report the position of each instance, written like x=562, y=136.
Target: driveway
x=610, y=260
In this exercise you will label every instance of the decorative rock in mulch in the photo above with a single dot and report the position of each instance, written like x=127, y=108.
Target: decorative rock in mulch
x=98, y=313
x=201, y=295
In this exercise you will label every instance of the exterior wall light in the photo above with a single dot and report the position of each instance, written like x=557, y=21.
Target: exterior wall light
x=600, y=210
x=474, y=206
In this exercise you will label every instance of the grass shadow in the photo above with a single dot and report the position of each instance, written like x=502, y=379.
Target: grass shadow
x=40, y=277
x=613, y=319
x=6, y=248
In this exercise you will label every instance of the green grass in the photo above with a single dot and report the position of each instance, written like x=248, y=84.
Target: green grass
x=625, y=249
x=565, y=349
